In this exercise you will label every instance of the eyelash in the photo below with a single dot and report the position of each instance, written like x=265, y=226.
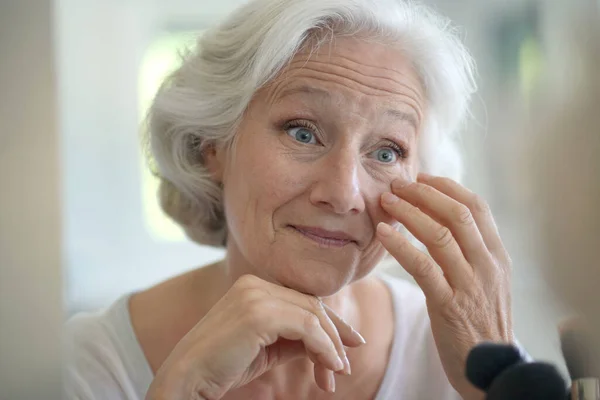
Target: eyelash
x=400, y=150
x=299, y=123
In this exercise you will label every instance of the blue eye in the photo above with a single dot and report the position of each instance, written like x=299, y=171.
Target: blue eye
x=302, y=134
x=386, y=155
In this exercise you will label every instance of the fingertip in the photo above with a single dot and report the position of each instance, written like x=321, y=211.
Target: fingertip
x=389, y=198
x=422, y=176
x=330, y=382
x=399, y=183
x=325, y=378
x=356, y=338
x=361, y=339
x=384, y=230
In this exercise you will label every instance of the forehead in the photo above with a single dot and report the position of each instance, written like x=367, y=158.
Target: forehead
x=372, y=74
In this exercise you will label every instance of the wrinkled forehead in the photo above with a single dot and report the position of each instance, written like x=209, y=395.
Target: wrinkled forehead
x=360, y=68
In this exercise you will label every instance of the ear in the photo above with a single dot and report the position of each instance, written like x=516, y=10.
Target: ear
x=214, y=161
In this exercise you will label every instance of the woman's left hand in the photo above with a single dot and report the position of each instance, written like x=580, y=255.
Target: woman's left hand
x=466, y=275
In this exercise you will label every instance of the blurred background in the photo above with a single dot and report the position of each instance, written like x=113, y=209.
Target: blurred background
x=79, y=221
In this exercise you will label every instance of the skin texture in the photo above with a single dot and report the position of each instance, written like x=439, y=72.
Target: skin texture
x=331, y=144
x=273, y=181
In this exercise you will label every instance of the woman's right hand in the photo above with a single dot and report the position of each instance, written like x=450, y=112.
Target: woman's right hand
x=256, y=326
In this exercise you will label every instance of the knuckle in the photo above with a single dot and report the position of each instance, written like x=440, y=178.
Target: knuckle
x=400, y=248
x=423, y=266
x=247, y=281
x=500, y=275
x=250, y=295
x=479, y=204
x=254, y=308
x=315, y=305
x=446, y=299
x=461, y=309
x=494, y=276
x=443, y=238
x=310, y=322
x=424, y=190
x=505, y=261
x=411, y=210
x=255, y=313
x=463, y=215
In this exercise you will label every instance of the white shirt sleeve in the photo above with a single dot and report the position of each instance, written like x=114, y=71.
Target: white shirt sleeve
x=415, y=370
x=103, y=360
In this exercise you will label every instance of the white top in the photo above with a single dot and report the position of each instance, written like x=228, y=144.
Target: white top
x=105, y=360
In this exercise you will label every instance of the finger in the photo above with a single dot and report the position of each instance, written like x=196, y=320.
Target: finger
x=448, y=212
x=321, y=373
x=315, y=360
x=316, y=306
x=418, y=264
x=437, y=238
x=284, y=351
x=480, y=210
x=350, y=337
x=281, y=319
x=324, y=378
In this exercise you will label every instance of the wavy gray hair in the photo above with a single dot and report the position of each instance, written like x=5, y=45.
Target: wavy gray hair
x=202, y=102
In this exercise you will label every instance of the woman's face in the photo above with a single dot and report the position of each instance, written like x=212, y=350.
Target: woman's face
x=314, y=152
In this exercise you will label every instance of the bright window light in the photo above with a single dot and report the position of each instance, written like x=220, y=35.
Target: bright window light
x=161, y=58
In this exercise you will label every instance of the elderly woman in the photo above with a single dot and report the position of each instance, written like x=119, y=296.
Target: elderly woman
x=298, y=136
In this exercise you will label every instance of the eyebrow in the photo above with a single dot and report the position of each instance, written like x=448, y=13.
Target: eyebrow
x=402, y=116
x=304, y=90
x=390, y=112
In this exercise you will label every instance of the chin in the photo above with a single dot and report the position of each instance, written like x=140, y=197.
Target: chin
x=310, y=268
x=313, y=274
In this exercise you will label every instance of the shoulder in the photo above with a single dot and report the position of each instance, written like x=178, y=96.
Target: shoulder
x=98, y=356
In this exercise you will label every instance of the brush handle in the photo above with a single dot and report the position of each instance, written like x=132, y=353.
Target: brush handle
x=585, y=389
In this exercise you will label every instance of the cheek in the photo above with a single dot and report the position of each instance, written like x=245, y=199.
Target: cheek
x=259, y=181
x=371, y=257
x=374, y=251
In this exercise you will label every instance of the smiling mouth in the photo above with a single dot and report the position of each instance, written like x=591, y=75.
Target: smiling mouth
x=324, y=238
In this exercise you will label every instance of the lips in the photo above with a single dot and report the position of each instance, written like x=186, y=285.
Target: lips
x=325, y=237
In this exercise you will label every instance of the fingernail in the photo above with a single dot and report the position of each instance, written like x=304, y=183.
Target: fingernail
x=389, y=198
x=339, y=364
x=400, y=183
x=347, y=369
x=384, y=229
x=359, y=336
x=331, y=383
x=423, y=175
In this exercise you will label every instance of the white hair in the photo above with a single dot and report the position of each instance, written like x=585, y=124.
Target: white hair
x=203, y=101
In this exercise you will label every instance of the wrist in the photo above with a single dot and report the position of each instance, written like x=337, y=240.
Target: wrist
x=176, y=382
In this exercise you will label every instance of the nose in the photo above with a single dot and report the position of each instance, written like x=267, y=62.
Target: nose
x=337, y=187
